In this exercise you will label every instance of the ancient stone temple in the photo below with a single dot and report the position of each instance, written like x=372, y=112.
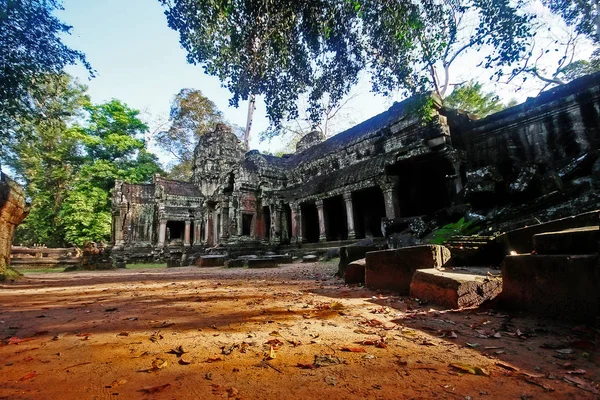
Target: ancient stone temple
x=398, y=164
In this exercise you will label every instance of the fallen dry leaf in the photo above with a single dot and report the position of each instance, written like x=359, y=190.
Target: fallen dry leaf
x=155, y=389
x=159, y=363
x=537, y=382
x=28, y=376
x=16, y=340
x=354, y=349
x=471, y=369
x=213, y=359
x=581, y=384
x=306, y=366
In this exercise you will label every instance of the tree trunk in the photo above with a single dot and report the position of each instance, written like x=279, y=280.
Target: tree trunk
x=251, y=108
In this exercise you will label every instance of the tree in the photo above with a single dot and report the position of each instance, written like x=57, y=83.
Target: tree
x=283, y=48
x=471, y=98
x=44, y=155
x=111, y=141
x=68, y=154
x=584, y=15
x=30, y=48
x=192, y=115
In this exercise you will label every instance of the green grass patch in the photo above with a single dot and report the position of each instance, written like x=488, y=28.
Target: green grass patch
x=143, y=266
x=41, y=270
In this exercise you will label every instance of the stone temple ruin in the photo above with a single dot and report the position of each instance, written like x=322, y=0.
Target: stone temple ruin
x=397, y=176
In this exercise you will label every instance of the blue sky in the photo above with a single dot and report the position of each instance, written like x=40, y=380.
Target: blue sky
x=139, y=61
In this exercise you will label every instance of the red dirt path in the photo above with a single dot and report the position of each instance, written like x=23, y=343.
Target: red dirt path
x=109, y=335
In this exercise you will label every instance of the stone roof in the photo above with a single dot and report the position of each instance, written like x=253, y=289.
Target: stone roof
x=177, y=188
x=370, y=128
x=138, y=193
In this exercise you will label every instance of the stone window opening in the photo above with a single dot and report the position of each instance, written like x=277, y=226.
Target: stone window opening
x=286, y=231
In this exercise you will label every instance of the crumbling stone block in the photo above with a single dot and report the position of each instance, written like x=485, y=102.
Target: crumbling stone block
x=553, y=285
x=355, y=272
x=455, y=289
x=237, y=263
x=394, y=269
x=263, y=263
x=211, y=261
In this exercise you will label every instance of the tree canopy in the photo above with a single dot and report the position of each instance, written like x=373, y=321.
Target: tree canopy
x=30, y=47
x=283, y=48
x=470, y=97
x=192, y=115
x=68, y=154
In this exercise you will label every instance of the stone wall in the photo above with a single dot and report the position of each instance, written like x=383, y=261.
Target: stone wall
x=13, y=209
x=559, y=125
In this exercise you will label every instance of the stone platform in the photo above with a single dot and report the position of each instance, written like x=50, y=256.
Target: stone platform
x=456, y=288
x=554, y=285
x=211, y=261
x=583, y=240
x=394, y=269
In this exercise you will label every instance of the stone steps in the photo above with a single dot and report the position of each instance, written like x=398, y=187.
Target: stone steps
x=583, y=240
x=456, y=288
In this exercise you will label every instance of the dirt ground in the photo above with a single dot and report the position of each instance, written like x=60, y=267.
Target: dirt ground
x=294, y=332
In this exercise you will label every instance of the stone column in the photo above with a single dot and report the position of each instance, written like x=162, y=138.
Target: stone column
x=276, y=223
x=162, y=232
x=390, y=198
x=240, y=222
x=321, y=213
x=197, y=232
x=225, y=219
x=349, y=215
x=294, y=223
x=186, y=232
x=208, y=228
x=298, y=220
x=117, y=232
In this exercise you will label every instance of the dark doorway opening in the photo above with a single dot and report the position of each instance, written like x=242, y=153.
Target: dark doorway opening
x=336, y=221
x=247, y=224
x=175, y=230
x=310, y=222
x=267, y=221
x=424, y=187
x=369, y=209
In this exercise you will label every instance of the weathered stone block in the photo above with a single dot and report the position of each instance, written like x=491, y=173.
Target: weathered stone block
x=281, y=258
x=394, y=269
x=263, y=263
x=237, y=263
x=211, y=261
x=310, y=258
x=355, y=272
x=454, y=289
x=554, y=285
x=571, y=241
x=353, y=253
x=173, y=262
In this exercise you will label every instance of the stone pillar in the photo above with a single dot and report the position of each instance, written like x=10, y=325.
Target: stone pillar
x=186, y=232
x=321, y=212
x=390, y=198
x=162, y=232
x=276, y=223
x=225, y=219
x=197, y=240
x=349, y=215
x=294, y=222
x=298, y=220
x=208, y=228
x=240, y=223
x=117, y=231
